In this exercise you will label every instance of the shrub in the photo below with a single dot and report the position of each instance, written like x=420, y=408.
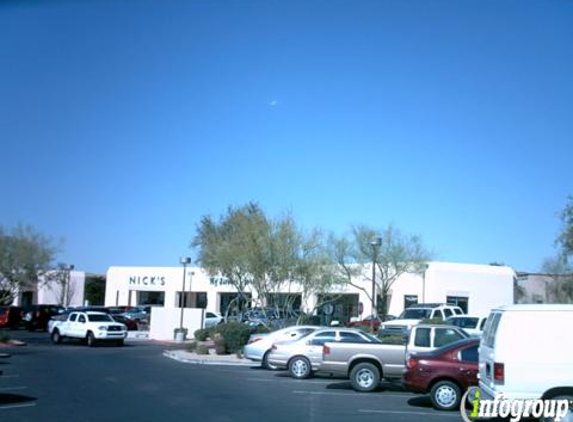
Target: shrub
x=220, y=346
x=191, y=346
x=202, y=334
x=4, y=338
x=236, y=335
x=202, y=349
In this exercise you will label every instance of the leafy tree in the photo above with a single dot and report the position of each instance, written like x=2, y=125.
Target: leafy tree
x=60, y=282
x=395, y=255
x=565, y=238
x=26, y=255
x=95, y=289
x=251, y=250
x=234, y=246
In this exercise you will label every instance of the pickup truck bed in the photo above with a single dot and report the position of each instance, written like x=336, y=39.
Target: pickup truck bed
x=346, y=359
x=367, y=363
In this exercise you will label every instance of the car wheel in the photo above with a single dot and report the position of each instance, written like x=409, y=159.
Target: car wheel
x=299, y=367
x=365, y=377
x=90, y=339
x=56, y=337
x=568, y=416
x=445, y=395
x=265, y=364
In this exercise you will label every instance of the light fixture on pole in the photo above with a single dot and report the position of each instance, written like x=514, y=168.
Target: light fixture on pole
x=185, y=261
x=375, y=243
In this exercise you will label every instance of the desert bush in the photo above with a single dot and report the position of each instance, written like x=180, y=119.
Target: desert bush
x=202, y=349
x=236, y=335
x=220, y=346
x=202, y=334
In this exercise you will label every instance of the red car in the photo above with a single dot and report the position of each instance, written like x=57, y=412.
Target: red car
x=10, y=317
x=446, y=373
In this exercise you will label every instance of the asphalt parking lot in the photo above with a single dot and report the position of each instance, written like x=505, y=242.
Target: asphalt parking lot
x=55, y=383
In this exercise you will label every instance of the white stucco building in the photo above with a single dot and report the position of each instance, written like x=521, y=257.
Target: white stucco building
x=70, y=293
x=476, y=288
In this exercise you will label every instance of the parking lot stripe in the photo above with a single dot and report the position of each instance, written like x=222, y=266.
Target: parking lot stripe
x=13, y=388
x=399, y=412
x=16, y=406
x=10, y=376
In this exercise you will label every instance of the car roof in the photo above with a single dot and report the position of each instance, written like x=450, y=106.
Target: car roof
x=535, y=307
x=459, y=343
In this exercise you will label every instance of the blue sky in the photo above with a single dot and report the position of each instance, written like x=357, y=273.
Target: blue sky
x=123, y=122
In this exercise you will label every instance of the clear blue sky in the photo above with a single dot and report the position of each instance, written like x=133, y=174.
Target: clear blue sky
x=123, y=122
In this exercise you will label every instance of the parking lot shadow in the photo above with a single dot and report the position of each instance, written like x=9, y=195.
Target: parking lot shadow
x=420, y=401
x=7, y=399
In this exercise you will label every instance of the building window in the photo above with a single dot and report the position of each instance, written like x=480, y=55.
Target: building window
x=233, y=303
x=461, y=301
x=151, y=298
x=27, y=298
x=285, y=301
x=410, y=300
x=183, y=300
x=201, y=300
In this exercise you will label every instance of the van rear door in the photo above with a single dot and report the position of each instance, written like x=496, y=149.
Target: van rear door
x=489, y=375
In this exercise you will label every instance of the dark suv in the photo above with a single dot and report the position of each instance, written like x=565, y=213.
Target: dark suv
x=36, y=317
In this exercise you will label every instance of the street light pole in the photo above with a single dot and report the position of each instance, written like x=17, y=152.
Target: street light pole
x=375, y=243
x=185, y=261
x=425, y=268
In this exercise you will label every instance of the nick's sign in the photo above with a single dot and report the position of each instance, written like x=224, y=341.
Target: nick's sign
x=146, y=281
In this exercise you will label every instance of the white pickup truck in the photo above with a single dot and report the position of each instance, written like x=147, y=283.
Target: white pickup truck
x=89, y=326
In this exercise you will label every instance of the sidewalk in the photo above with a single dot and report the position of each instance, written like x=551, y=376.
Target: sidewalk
x=210, y=359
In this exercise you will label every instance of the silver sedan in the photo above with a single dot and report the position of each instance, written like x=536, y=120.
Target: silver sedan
x=259, y=346
x=302, y=357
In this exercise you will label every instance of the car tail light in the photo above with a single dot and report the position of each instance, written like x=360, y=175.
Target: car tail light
x=498, y=373
x=325, y=350
x=251, y=341
x=412, y=363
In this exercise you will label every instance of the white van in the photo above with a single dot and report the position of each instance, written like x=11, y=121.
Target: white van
x=526, y=352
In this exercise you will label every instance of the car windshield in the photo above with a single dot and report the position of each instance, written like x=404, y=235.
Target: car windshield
x=416, y=314
x=99, y=318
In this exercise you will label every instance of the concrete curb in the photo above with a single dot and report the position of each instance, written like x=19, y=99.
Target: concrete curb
x=197, y=361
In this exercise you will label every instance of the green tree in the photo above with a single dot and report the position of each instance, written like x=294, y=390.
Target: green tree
x=95, y=289
x=565, y=239
x=234, y=246
x=268, y=255
x=393, y=252
x=26, y=256
x=59, y=281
